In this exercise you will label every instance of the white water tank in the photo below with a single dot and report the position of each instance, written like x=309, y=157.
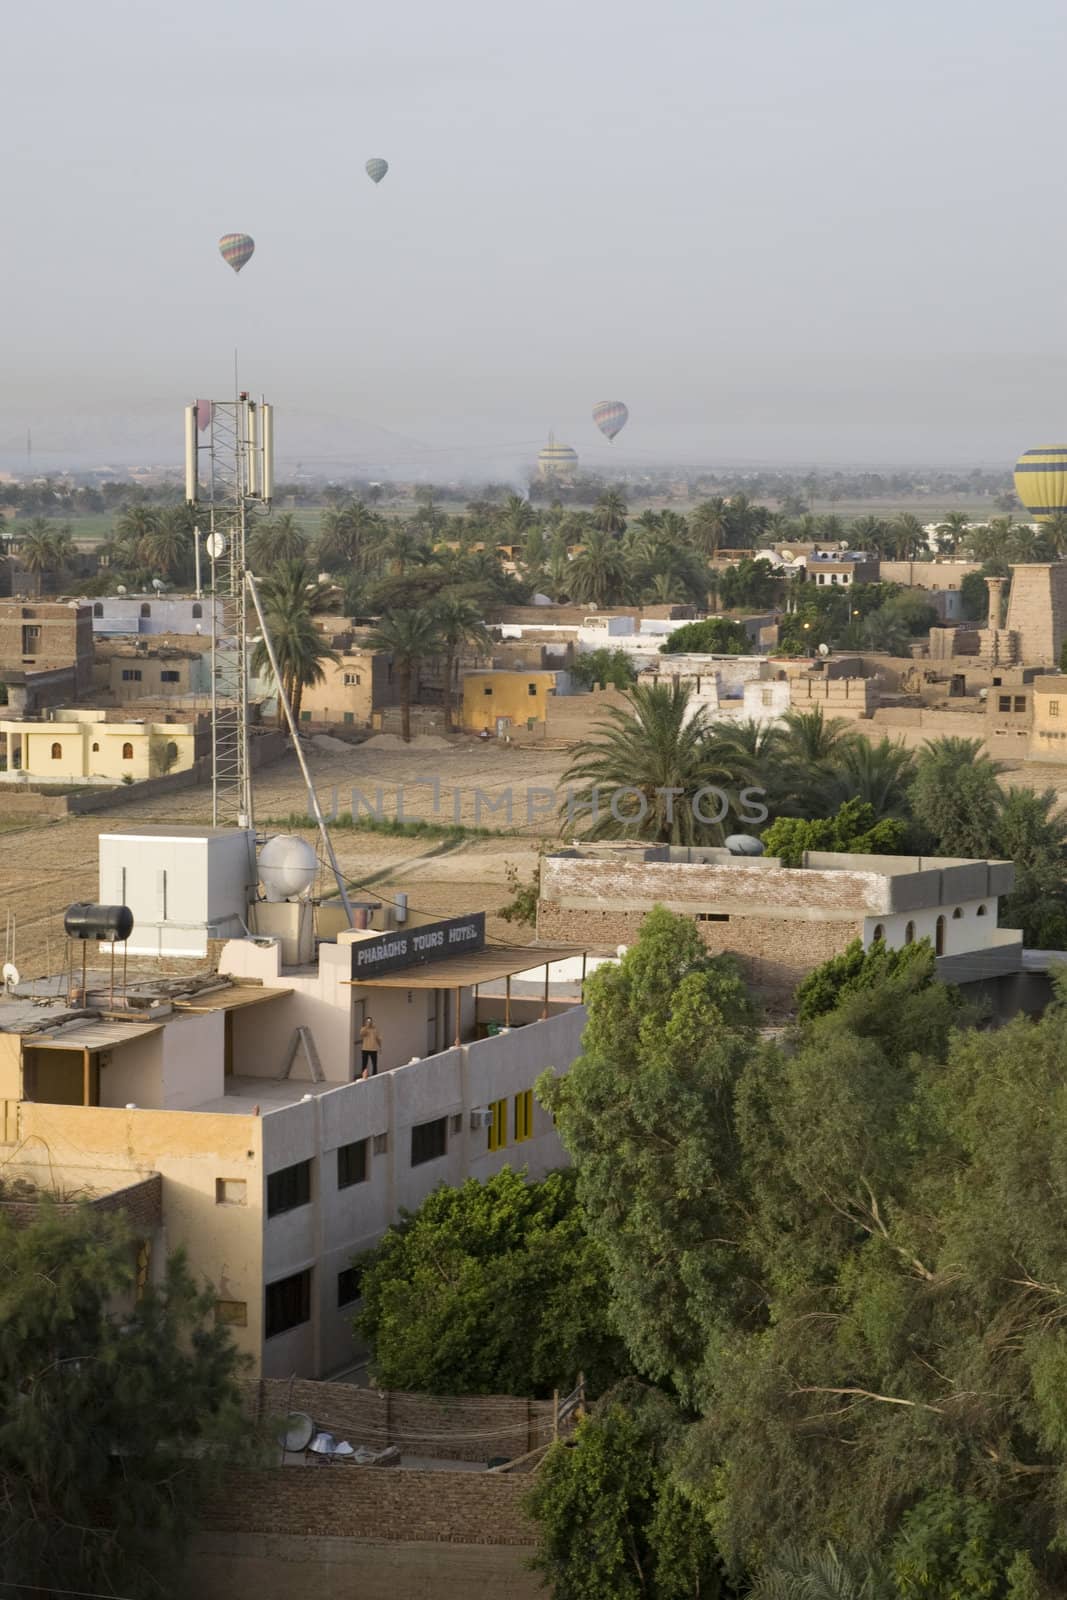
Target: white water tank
x=287, y=867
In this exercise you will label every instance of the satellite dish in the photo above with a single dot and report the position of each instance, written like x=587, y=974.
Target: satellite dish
x=10, y=974
x=824, y=650
x=215, y=545
x=121, y=589
x=298, y=1430
x=744, y=844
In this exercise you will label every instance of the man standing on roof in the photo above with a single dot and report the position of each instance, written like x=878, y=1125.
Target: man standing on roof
x=370, y=1042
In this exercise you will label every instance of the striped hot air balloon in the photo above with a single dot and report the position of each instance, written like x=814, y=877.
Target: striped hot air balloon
x=377, y=168
x=610, y=416
x=1041, y=481
x=236, y=249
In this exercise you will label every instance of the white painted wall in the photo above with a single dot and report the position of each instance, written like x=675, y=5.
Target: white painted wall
x=183, y=888
x=193, y=1060
x=963, y=934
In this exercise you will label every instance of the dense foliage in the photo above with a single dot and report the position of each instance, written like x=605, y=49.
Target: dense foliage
x=853, y=827
x=110, y=1417
x=491, y=1288
x=844, y=1259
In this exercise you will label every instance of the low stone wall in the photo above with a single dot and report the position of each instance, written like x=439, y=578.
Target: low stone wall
x=458, y=1428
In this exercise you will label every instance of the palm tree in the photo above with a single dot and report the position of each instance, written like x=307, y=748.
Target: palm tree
x=280, y=539
x=406, y=547
x=458, y=623
x=598, y=574
x=409, y=637
x=135, y=524
x=795, y=1574
x=291, y=598
x=348, y=535
x=609, y=513
x=515, y=517
x=168, y=544
x=656, y=753
x=953, y=530
x=811, y=748
x=907, y=536
x=42, y=548
x=878, y=774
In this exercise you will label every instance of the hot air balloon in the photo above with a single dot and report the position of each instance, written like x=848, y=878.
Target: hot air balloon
x=1041, y=481
x=610, y=417
x=377, y=168
x=236, y=249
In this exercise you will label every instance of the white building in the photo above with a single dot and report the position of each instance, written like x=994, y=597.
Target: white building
x=151, y=614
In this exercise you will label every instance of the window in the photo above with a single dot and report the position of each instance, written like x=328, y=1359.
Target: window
x=1053, y=708
x=231, y=1192
x=57, y=752
x=96, y=749
x=1020, y=703
x=1004, y=702
x=429, y=1141
x=981, y=911
x=31, y=641
x=352, y=1164
x=713, y=916
x=131, y=674
x=381, y=1144
x=232, y=1313
x=957, y=914
x=305, y=716
x=488, y=689
x=288, y=1303
x=349, y=716
x=352, y=679
x=98, y=610
x=524, y=1116
x=127, y=751
x=146, y=610
x=349, y=1285
x=939, y=937
x=498, y=1128
x=289, y=1188
x=766, y=697
x=909, y=933
x=170, y=677
x=198, y=610
x=531, y=688
x=878, y=934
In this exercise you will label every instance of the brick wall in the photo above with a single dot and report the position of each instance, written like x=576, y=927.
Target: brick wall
x=142, y=1202
x=462, y=1427
x=374, y=1503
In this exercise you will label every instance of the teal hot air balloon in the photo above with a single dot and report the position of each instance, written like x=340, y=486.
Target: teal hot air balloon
x=377, y=168
x=610, y=417
x=236, y=249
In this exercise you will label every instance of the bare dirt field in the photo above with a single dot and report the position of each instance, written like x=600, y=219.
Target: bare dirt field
x=44, y=867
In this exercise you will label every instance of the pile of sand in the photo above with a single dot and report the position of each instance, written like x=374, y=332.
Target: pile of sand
x=323, y=741
x=393, y=741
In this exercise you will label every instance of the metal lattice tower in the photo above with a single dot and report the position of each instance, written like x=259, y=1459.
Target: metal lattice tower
x=236, y=482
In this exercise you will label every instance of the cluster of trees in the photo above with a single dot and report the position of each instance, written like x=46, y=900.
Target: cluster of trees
x=116, y=1422
x=825, y=786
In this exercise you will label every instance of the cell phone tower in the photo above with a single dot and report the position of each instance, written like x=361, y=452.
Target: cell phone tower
x=229, y=467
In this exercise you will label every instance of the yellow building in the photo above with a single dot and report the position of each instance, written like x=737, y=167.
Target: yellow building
x=1048, y=728
x=498, y=701
x=82, y=746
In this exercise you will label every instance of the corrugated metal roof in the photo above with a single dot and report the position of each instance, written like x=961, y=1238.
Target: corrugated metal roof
x=93, y=1036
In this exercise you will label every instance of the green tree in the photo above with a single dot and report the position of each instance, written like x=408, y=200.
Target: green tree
x=491, y=1288
x=708, y=526
x=853, y=829
x=718, y=636
x=956, y=798
x=609, y=513
x=113, y=1411
x=856, y=969
x=603, y=667
x=611, y=1523
x=168, y=546
x=409, y=637
x=277, y=540
x=598, y=574
x=1032, y=832
x=799, y=1574
x=876, y=774
x=459, y=626
x=643, y=772
x=749, y=583
x=291, y=598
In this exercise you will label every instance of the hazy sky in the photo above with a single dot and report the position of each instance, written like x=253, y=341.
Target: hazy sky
x=794, y=230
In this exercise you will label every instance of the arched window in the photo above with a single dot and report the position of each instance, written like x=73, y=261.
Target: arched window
x=96, y=749
x=146, y=609
x=57, y=752
x=909, y=933
x=127, y=751
x=980, y=912
x=939, y=937
x=957, y=914
x=878, y=934
x=198, y=610
x=98, y=610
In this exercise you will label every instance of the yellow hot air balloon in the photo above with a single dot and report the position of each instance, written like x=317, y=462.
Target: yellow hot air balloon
x=1041, y=481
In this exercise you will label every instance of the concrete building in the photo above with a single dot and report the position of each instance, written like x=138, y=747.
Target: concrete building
x=240, y=1087
x=1048, y=722
x=46, y=652
x=497, y=702
x=356, y=686
x=841, y=568
x=137, y=673
x=782, y=922
x=76, y=746
x=940, y=579
x=151, y=614
x=837, y=696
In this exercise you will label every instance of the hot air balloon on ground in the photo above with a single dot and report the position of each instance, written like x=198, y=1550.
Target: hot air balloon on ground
x=377, y=168
x=1041, y=481
x=610, y=417
x=236, y=249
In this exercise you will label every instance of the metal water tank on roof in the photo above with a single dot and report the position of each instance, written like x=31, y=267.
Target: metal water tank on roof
x=288, y=867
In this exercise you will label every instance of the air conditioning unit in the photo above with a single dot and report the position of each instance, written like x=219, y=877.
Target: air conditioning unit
x=481, y=1117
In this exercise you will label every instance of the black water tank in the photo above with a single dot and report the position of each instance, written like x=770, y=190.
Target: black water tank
x=109, y=924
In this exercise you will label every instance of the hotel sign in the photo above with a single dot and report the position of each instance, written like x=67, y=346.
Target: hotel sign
x=413, y=947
